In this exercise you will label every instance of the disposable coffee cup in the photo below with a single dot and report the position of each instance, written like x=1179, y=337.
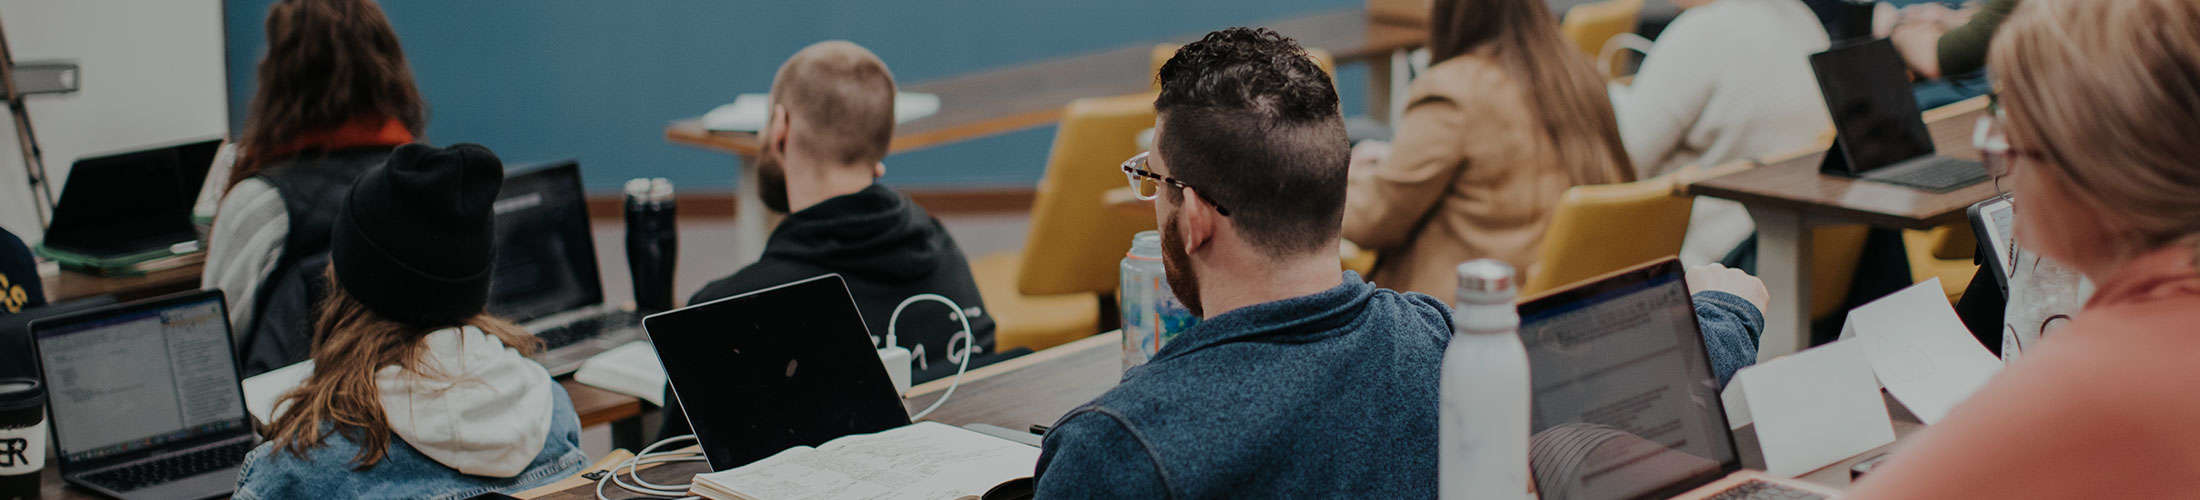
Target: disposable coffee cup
x=22, y=436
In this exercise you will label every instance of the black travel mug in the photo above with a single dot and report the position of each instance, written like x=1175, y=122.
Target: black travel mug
x=652, y=242
x=22, y=436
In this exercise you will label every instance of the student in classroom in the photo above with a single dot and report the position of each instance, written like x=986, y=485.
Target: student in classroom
x=416, y=392
x=1729, y=80
x=1327, y=383
x=1507, y=118
x=832, y=117
x=20, y=287
x=334, y=96
x=2098, y=99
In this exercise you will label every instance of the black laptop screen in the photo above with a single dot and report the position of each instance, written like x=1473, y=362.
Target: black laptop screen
x=132, y=377
x=132, y=202
x=778, y=368
x=1867, y=91
x=1625, y=404
x=546, y=258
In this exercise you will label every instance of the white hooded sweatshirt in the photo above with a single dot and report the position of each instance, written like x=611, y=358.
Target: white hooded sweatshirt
x=474, y=405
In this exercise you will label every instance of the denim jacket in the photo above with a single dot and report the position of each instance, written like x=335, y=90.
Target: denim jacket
x=1327, y=395
x=405, y=473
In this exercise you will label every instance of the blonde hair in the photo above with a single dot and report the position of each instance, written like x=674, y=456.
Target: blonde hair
x=2109, y=93
x=350, y=344
x=842, y=96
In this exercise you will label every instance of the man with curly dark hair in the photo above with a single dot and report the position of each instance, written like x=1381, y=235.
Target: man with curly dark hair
x=1301, y=380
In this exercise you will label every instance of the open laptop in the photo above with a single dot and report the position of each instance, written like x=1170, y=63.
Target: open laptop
x=791, y=365
x=1879, y=133
x=1625, y=403
x=123, y=209
x=144, y=399
x=546, y=278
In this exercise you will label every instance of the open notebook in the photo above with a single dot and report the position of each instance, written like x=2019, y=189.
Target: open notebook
x=926, y=460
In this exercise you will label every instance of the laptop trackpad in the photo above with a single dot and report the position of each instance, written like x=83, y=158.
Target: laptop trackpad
x=212, y=484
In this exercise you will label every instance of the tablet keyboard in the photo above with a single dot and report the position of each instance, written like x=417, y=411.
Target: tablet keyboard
x=1938, y=174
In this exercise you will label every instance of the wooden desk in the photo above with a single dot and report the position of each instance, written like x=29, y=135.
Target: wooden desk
x=1015, y=98
x=1788, y=196
x=64, y=285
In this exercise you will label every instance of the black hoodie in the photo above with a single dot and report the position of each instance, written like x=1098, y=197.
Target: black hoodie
x=888, y=249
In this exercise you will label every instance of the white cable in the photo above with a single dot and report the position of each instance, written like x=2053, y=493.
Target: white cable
x=969, y=343
x=649, y=455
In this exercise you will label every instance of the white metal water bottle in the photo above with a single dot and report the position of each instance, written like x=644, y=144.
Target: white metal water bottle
x=1482, y=428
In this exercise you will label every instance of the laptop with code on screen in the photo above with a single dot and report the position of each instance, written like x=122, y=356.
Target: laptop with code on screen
x=545, y=277
x=144, y=397
x=1625, y=404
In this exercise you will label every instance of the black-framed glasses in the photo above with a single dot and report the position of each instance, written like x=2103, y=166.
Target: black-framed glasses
x=1147, y=184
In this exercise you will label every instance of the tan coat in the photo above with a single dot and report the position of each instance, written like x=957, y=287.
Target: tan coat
x=1470, y=175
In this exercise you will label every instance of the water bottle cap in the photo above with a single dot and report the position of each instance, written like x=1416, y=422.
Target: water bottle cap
x=660, y=190
x=637, y=188
x=1483, y=281
x=1146, y=245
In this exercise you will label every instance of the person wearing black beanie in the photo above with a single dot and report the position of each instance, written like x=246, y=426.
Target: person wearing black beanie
x=418, y=233
x=455, y=408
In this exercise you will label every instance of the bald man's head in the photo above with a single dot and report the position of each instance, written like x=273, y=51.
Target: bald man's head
x=840, y=98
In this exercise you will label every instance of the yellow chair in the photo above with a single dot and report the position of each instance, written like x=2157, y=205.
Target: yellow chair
x=1944, y=252
x=1583, y=239
x=1591, y=25
x=1050, y=293
x=1835, y=253
x=1162, y=53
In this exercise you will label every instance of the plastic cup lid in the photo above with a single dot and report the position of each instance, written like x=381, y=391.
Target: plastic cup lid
x=20, y=393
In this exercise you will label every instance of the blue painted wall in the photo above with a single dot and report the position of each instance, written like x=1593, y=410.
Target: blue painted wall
x=597, y=80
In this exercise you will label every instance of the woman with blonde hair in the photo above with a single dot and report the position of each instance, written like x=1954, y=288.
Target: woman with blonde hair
x=415, y=391
x=2100, y=99
x=1507, y=118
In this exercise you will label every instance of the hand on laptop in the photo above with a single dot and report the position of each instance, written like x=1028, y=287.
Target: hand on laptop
x=1718, y=278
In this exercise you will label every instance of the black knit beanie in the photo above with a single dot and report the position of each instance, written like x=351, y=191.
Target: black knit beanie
x=415, y=239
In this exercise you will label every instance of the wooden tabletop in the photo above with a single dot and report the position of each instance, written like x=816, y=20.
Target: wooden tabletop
x=598, y=406
x=1031, y=95
x=64, y=285
x=1794, y=183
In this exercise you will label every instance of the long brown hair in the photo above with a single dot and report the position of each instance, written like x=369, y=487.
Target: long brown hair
x=1563, y=88
x=328, y=62
x=350, y=344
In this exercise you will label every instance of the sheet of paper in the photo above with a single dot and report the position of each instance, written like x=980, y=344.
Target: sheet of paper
x=925, y=460
x=1920, y=350
x=261, y=391
x=632, y=369
x=1737, y=404
x=1815, y=408
x=748, y=112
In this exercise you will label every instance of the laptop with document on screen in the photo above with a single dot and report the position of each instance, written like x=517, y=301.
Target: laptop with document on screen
x=545, y=278
x=1625, y=404
x=145, y=400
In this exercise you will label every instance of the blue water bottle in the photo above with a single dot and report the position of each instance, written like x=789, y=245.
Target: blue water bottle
x=1151, y=313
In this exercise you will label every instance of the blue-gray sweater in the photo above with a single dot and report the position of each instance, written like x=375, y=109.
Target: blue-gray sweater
x=1327, y=395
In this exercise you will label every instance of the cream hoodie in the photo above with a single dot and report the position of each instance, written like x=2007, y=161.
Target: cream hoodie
x=474, y=405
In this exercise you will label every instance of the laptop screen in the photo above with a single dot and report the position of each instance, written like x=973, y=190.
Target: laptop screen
x=1867, y=91
x=546, y=258
x=777, y=368
x=131, y=202
x=133, y=377
x=1625, y=403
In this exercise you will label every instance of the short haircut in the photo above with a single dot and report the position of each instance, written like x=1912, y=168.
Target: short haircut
x=841, y=97
x=1252, y=123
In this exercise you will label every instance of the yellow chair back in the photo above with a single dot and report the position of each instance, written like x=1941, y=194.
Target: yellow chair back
x=1075, y=242
x=1589, y=26
x=1604, y=228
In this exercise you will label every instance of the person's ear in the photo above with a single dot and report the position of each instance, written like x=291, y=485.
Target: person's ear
x=1200, y=221
x=775, y=128
x=878, y=170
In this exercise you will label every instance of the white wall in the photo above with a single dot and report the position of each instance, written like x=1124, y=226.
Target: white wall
x=152, y=73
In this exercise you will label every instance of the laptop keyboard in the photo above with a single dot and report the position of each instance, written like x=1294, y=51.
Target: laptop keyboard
x=173, y=468
x=586, y=328
x=1937, y=174
x=1761, y=490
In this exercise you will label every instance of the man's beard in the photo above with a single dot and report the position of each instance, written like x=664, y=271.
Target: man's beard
x=1177, y=268
x=771, y=180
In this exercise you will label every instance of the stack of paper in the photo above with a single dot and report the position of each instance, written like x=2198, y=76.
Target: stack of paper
x=748, y=112
x=632, y=369
x=925, y=460
x=1920, y=350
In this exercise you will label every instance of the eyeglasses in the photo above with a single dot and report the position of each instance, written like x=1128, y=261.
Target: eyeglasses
x=1991, y=138
x=1147, y=185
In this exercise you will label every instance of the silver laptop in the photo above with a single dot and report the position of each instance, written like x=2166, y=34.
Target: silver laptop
x=546, y=278
x=144, y=399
